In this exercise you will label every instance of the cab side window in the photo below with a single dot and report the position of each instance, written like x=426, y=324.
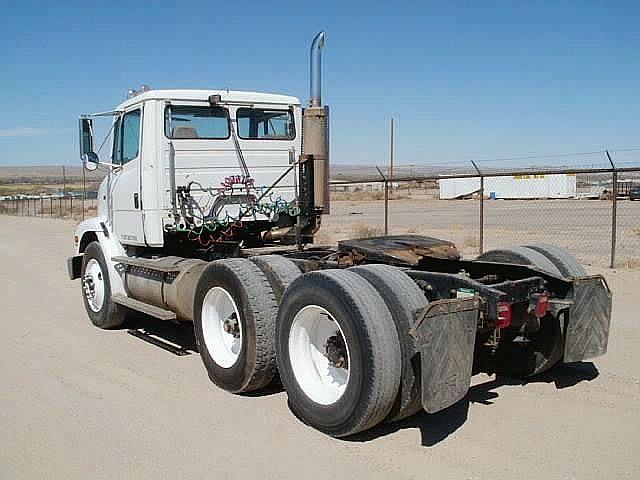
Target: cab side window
x=127, y=137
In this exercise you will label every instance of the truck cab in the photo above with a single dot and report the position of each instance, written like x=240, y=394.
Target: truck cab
x=216, y=149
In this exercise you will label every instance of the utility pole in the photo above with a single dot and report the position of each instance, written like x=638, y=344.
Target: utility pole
x=614, y=210
x=386, y=201
x=64, y=181
x=391, y=157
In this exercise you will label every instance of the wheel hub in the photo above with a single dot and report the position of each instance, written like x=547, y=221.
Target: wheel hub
x=336, y=351
x=231, y=326
x=221, y=327
x=89, y=287
x=319, y=355
x=93, y=285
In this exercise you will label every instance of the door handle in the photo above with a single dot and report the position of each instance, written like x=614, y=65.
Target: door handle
x=136, y=201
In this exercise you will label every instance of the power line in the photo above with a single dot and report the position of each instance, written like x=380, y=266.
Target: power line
x=524, y=157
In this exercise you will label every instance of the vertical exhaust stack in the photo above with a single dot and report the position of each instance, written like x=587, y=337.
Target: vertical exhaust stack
x=316, y=129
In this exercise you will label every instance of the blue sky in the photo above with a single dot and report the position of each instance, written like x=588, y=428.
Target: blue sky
x=463, y=79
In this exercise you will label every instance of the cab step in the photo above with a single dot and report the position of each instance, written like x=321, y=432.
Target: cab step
x=139, y=306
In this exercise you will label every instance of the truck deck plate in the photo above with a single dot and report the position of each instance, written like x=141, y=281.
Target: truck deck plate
x=146, y=263
x=405, y=250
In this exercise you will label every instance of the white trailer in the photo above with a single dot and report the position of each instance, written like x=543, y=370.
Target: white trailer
x=557, y=185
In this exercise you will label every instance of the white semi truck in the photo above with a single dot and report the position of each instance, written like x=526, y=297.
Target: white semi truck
x=207, y=215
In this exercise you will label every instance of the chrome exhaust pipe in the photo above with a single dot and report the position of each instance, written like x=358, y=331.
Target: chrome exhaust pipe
x=316, y=129
x=315, y=70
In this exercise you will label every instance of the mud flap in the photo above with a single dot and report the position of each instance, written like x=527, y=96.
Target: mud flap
x=445, y=332
x=587, y=330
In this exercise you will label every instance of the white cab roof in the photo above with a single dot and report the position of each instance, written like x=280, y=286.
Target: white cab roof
x=231, y=96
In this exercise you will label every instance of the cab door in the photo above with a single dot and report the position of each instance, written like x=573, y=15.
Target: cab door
x=126, y=197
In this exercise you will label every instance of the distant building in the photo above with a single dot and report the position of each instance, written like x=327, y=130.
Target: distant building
x=558, y=185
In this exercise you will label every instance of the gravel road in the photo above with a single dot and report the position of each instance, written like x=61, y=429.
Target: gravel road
x=78, y=402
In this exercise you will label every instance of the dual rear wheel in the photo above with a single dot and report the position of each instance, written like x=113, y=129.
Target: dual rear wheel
x=334, y=339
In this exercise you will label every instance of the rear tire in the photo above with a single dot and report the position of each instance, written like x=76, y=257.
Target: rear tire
x=96, y=290
x=522, y=256
x=568, y=265
x=403, y=299
x=234, y=323
x=280, y=272
x=547, y=344
x=338, y=352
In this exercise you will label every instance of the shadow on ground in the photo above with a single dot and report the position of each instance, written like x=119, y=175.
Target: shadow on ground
x=434, y=428
x=179, y=338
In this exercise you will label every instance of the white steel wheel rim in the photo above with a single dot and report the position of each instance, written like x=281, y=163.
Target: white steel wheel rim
x=93, y=285
x=318, y=378
x=220, y=308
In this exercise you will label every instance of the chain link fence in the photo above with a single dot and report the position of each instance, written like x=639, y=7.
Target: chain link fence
x=70, y=206
x=49, y=191
x=586, y=208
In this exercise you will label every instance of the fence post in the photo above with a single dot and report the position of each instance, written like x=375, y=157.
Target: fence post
x=481, y=206
x=51, y=206
x=614, y=211
x=386, y=201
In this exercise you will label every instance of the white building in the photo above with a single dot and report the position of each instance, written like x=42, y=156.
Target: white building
x=557, y=185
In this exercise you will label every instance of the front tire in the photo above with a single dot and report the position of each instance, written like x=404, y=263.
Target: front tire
x=96, y=290
x=338, y=352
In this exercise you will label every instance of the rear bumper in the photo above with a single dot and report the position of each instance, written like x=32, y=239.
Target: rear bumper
x=445, y=334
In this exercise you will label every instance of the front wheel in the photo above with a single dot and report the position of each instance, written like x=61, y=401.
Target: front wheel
x=96, y=290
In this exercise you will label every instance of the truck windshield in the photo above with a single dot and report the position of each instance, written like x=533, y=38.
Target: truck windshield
x=267, y=124
x=206, y=122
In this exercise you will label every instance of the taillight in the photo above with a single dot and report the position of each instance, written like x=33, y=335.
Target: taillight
x=504, y=315
x=542, y=306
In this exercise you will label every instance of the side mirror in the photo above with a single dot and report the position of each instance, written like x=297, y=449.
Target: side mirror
x=89, y=157
x=90, y=161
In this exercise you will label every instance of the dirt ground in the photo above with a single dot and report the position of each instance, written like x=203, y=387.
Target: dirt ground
x=78, y=402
